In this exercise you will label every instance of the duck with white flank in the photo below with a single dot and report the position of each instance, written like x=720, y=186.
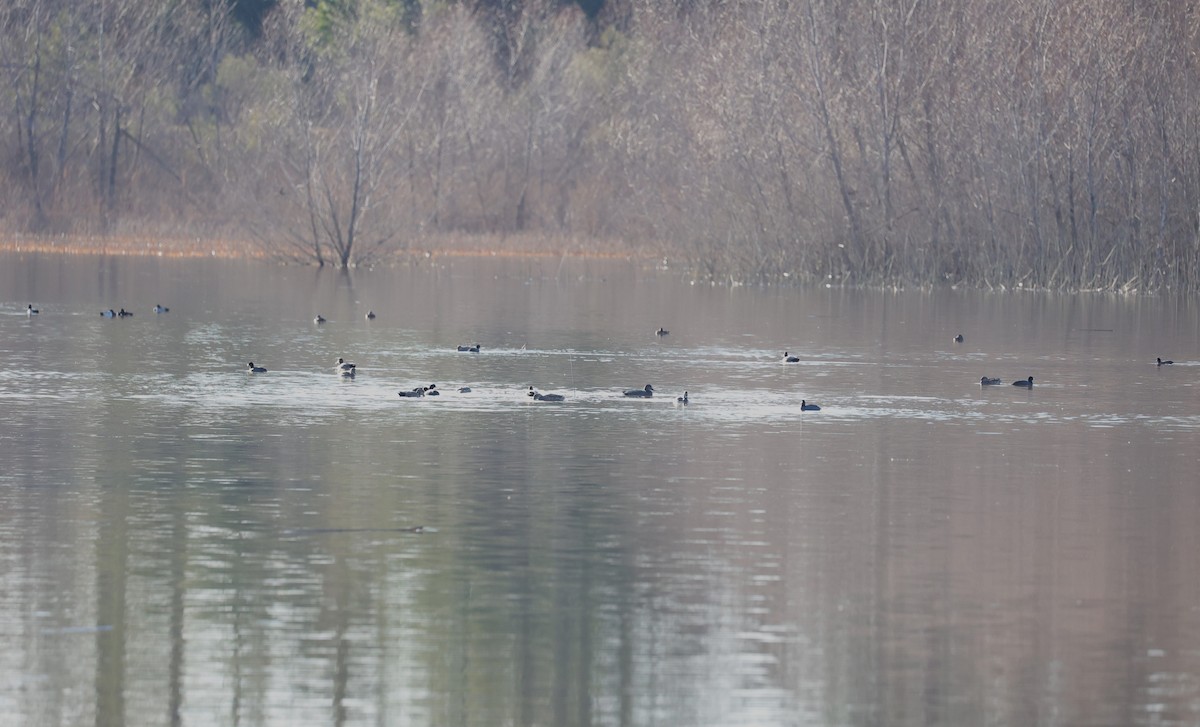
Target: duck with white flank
x=370, y=315
x=161, y=309
x=985, y=381
x=805, y=406
x=255, y=369
x=110, y=313
x=682, y=399
x=1027, y=383
x=413, y=393
x=790, y=359
x=959, y=338
x=124, y=313
x=30, y=310
x=319, y=319
x=469, y=349
x=1160, y=361
x=645, y=393
x=344, y=367
x=538, y=396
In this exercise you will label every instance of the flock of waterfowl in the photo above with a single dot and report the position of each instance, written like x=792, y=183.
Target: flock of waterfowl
x=347, y=369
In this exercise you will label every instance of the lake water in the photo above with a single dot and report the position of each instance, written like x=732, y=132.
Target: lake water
x=182, y=542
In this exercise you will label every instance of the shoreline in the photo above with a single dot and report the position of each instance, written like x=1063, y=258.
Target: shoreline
x=226, y=249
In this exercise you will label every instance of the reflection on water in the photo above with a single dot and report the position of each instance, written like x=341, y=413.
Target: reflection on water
x=182, y=542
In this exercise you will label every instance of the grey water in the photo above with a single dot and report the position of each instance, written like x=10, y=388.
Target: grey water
x=182, y=542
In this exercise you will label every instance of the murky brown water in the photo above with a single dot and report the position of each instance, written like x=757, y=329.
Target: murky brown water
x=182, y=542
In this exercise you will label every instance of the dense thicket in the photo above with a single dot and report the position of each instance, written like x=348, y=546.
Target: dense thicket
x=911, y=141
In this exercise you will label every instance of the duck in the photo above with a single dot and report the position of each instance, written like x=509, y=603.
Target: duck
x=255, y=369
x=662, y=332
x=959, y=338
x=1027, y=383
x=432, y=390
x=124, y=313
x=537, y=396
x=790, y=359
x=682, y=399
x=413, y=393
x=985, y=381
x=805, y=406
x=110, y=313
x=464, y=389
x=1160, y=361
x=645, y=393
x=318, y=320
x=370, y=315
x=469, y=349
x=161, y=308
x=343, y=365
x=31, y=311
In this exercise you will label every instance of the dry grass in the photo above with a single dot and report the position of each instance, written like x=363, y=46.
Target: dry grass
x=451, y=245
x=129, y=246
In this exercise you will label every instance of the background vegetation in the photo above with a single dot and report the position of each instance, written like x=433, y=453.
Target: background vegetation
x=1015, y=143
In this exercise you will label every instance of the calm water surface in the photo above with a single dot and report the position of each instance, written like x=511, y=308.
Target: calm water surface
x=184, y=543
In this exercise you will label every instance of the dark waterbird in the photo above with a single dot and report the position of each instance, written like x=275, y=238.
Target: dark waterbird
x=805, y=406
x=1164, y=363
x=643, y=393
x=1027, y=383
x=538, y=396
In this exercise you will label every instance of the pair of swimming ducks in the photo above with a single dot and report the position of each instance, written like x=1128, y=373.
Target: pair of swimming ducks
x=319, y=319
x=1025, y=383
x=644, y=393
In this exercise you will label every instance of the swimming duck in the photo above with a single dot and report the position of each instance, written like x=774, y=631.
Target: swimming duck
x=682, y=399
x=958, y=338
x=255, y=369
x=1160, y=361
x=985, y=381
x=537, y=396
x=662, y=332
x=124, y=313
x=644, y=393
x=370, y=315
x=318, y=320
x=790, y=359
x=464, y=389
x=469, y=349
x=161, y=308
x=1027, y=383
x=414, y=393
x=805, y=406
x=30, y=310
x=110, y=313
x=343, y=365
x=432, y=390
